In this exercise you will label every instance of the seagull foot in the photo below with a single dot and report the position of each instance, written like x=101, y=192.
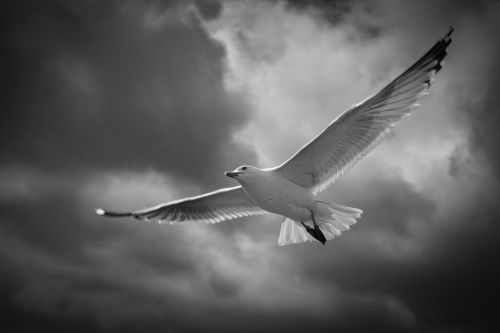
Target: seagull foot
x=315, y=232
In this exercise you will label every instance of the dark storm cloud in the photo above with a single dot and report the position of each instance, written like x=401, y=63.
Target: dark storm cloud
x=483, y=115
x=115, y=85
x=94, y=87
x=439, y=270
x=101, y=85
x=209, y=9
x=333, y=11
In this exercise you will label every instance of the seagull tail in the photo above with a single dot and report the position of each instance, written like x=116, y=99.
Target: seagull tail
x=332, y=219
x=292, y=232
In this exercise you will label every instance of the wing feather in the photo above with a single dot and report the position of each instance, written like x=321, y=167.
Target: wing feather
x=213, y=207
x=360, y=128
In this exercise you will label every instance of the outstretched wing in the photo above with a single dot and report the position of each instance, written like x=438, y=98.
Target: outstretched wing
x=213, y=207
x=355, y=132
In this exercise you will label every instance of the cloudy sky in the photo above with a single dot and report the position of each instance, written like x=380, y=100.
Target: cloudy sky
x=125, y=104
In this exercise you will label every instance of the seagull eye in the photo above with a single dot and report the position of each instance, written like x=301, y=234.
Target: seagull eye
x=243, y=168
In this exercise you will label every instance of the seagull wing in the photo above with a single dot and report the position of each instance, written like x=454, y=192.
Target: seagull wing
x=357, y=131
x=213, y=207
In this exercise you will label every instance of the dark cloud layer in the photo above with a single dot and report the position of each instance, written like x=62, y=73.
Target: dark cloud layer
x=111, y=102
x=94, y=90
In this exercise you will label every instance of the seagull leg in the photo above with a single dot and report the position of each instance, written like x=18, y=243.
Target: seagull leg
x=316, y=231
x=321, y=237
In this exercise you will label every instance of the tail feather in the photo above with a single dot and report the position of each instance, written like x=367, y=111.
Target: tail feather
x=333, y=220
x=355, y=212
x=292, y=233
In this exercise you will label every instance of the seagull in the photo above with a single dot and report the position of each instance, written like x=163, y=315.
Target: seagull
x=290, y=189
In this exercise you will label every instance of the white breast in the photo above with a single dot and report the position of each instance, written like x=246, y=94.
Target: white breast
x=278, y=195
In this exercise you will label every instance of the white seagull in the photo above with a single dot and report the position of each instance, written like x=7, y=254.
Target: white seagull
x=290, y=189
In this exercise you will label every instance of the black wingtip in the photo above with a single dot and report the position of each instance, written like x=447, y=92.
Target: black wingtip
x=450, y=32
x=447, y=37
x=102, y=212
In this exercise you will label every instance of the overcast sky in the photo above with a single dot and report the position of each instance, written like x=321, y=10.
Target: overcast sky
x=125, y=104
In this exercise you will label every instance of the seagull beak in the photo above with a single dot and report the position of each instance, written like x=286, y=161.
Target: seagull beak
x=232, y=174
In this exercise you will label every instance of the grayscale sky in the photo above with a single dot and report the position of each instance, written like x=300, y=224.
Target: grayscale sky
x=125, y=104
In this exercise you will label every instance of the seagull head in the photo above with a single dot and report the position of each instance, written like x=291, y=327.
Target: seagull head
x=241, y=171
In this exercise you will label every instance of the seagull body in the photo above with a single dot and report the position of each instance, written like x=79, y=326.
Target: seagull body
x=290, y=189
x=274, y=193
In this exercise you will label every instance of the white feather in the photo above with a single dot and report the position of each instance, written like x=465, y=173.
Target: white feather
x=214, y=207
x=360, y=128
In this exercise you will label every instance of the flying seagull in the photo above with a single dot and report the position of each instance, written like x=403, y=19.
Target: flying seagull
x=290, y=189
